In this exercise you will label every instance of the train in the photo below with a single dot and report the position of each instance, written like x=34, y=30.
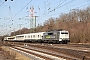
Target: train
x=61, y=36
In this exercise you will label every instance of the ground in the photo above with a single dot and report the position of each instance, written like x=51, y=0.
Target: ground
x=7, y=54
x=2, y=57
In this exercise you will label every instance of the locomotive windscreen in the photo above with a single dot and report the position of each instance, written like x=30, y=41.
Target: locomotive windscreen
x=64, y=32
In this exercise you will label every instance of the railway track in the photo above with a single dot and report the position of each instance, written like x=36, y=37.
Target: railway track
x=85, y=48
x=45, y=53
x=37, y=55
x=58, y=50
x=70, y=53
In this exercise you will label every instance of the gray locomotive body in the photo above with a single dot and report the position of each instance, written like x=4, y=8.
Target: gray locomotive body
x=56, y=37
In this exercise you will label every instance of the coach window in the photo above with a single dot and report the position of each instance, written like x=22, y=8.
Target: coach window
x=28, y=36
x=31, y=36
x=38, y=36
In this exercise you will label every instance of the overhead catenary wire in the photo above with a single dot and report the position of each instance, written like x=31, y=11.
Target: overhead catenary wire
x=64, y=4
x=69, y=10
x=60, y=5
x=22, y=8
x=66, y=9
x=76, y=7
x=2, y=4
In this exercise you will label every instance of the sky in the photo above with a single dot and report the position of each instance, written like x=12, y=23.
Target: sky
x=15, y=15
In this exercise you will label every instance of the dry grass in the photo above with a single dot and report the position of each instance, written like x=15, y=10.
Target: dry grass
x=13, y=55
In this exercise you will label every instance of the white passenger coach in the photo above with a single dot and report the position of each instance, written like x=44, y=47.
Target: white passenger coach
x=34, y=37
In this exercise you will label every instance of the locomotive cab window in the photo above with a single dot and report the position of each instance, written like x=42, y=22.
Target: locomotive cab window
x=64, y=32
